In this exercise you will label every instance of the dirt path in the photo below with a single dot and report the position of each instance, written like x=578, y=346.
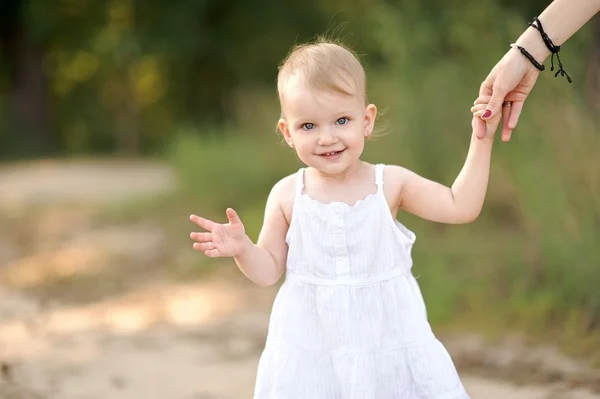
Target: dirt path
x=85, y=316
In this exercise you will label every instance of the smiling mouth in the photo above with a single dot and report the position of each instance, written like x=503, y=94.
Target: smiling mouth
x=332, y=153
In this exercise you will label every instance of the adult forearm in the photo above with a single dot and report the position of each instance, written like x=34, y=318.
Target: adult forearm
x=560, y=20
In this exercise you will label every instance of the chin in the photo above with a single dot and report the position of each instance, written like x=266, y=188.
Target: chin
x=334, y=168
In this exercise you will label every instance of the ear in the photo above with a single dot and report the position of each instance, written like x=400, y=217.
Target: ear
x=370, y=114
x=284, y=128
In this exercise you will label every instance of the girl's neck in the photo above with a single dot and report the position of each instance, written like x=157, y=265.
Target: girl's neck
x=349, y=174
x=348, y=187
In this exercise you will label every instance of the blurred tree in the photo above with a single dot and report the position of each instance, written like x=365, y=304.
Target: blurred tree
x=212, y=47
x=26, y=85
x=122, y=75
x=528, y=9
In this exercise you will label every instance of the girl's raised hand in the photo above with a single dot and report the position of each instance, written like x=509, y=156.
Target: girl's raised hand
x=220, y=240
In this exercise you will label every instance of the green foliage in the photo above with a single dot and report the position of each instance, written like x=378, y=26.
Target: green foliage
x=226, y=170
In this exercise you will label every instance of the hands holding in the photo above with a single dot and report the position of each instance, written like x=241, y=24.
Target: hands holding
x=486, y=128
x=509, y=82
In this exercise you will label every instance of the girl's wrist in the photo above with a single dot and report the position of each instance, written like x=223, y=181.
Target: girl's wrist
x=247, y=244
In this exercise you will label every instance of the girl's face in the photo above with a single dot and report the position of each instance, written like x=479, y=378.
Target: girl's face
x=327, y=129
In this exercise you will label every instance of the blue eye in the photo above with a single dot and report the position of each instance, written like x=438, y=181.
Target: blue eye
x=342, y=121
x=308, y=126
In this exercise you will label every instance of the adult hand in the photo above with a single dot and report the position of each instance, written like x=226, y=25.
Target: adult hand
x=511, y=79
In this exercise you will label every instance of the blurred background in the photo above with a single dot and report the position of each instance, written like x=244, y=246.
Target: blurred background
x=120, y=118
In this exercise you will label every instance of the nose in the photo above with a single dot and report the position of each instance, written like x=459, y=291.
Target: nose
x=327, y=137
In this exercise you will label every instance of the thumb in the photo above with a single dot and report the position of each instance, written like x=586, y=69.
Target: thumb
x=233, y=216
x=479, y=126
x=494, y=107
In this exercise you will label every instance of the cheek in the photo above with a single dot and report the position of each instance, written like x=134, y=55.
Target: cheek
x=356, y=139
x=304, y=150
x=302, y=143
x=359, y=145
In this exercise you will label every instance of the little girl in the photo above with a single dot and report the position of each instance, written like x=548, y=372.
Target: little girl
x=349, y=320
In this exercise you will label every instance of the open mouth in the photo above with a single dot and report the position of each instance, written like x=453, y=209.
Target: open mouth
x=331, y=154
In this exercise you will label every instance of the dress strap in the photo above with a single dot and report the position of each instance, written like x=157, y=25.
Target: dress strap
x=299, y=182
x=379, y=176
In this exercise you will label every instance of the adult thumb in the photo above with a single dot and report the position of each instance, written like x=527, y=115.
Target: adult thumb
x=494, y=107
x=233, y=216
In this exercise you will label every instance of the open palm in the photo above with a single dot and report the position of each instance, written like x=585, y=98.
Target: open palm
x=220, y=240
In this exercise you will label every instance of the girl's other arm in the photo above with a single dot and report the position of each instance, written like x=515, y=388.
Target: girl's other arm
x=263, y=262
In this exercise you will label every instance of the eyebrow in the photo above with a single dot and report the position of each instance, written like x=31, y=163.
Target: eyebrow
x=337, y=115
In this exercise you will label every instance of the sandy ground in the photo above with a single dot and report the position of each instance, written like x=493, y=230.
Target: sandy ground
x=83, y=317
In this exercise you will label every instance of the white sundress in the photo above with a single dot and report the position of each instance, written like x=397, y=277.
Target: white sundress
x=349, y=321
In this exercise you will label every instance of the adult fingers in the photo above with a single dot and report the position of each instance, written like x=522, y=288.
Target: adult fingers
x=514, y=115
x=506, y=131
x=494, y=107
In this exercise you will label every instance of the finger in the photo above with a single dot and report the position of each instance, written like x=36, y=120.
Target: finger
x=495, y=105
x=233, y=216
x=478, y=113
x=478, y=107
x=506, y=131
x=204, y=223
x=485, y=88
x=483, y=99
x=479, y=126
x=203, y=246
x=201, y=237
x=517, y=107
x=212, y=253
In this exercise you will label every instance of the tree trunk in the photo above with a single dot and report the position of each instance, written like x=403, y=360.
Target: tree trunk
x=28, y=127
x=28, y=99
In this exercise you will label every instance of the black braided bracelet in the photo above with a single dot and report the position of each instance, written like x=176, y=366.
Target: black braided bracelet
x=529, y=56
x=536, y=23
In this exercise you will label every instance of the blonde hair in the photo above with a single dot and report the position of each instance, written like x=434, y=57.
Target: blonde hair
x=327, y=65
